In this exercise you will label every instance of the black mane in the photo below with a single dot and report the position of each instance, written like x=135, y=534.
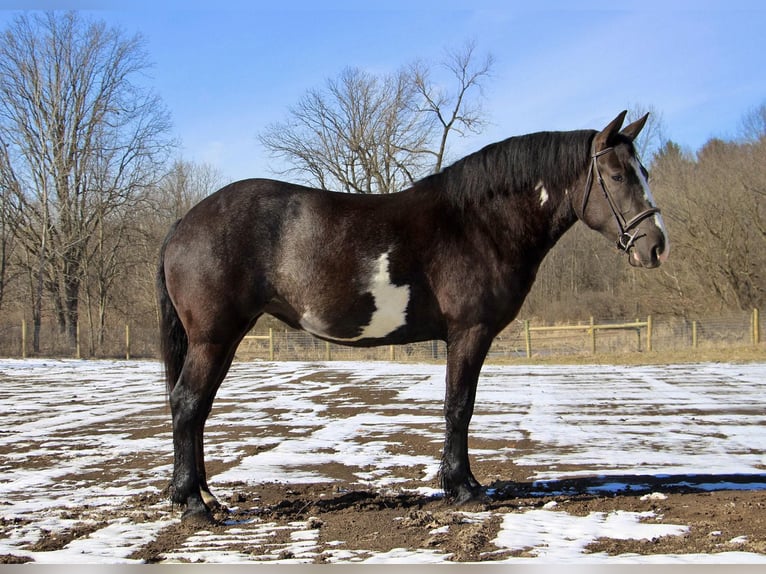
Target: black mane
x=514, y=165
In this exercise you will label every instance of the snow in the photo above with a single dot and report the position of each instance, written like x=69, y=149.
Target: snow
x=564, y=537
x=93, y=434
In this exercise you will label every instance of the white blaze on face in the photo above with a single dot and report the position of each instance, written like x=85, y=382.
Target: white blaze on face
x=390, y=306
x=658, y=221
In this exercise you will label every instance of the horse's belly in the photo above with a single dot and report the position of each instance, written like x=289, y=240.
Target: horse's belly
x=378, y=312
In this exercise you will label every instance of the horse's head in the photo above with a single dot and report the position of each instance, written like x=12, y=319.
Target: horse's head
x=616, y=201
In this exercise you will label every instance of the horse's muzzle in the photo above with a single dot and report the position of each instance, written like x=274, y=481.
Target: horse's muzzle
x=656, y=256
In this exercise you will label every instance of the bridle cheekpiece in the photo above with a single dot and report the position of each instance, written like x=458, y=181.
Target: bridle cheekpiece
x=625, y=239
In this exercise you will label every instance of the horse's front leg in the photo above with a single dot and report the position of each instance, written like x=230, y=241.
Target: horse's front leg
x=465, y=355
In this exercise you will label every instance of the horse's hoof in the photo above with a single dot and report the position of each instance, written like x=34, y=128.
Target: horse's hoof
x=210, y=500
x=196, y=514
x=465, y=494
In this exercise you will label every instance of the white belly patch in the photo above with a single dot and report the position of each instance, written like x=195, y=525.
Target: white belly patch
x=389, y=313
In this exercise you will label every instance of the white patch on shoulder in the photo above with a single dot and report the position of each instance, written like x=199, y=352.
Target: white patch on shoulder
x=540, y=188
x=390, y=311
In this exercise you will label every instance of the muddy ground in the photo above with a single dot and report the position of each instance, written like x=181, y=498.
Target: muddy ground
x=372, y=522
x=346, y=519
x=364, y=522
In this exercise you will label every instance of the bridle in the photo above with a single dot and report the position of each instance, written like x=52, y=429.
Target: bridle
x=625, y=239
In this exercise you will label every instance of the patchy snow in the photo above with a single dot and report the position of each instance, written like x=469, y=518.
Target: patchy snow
x=564, y=537
x=94, y=434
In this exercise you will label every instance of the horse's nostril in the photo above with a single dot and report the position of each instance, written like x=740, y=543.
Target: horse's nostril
x=663, y=250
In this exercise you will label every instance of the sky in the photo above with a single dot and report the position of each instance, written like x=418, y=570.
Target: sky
x=228, y=69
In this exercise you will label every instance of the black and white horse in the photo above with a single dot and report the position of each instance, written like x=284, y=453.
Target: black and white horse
x=451, y=258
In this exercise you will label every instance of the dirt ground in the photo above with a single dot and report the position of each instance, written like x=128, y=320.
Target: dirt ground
x=345, y=518
x=368, y=521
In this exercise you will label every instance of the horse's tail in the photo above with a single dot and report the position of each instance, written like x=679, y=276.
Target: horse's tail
x=173, y=340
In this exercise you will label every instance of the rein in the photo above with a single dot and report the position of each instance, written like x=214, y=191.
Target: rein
x=625, y=239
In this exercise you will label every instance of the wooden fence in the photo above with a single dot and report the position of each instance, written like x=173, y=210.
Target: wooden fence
x=525, y=339
x=319, y=349
x=592, y=330
x=521, y=339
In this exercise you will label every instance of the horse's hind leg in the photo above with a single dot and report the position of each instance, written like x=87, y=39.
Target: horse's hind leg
x=207, y=497
x=190, y=402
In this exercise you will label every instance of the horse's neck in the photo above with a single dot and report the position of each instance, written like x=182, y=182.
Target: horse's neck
x=562, y=218
x=532, y=220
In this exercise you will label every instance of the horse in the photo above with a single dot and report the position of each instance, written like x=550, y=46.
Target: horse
x=450, y=258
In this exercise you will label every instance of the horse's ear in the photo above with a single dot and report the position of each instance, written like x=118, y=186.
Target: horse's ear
x=604, y=137
x=635, y=128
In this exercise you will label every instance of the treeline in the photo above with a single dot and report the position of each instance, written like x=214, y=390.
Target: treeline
x=713, y=202
x=86, y=191
x=89, y=186
x=116, y=278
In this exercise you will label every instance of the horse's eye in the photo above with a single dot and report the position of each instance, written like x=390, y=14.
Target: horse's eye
x=618, y=178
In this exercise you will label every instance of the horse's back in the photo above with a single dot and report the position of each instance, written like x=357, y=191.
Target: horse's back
x=343, y=266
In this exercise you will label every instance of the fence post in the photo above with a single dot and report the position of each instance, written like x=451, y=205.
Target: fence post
x=592, y=336
x=528, y=338
x=78, y=352
x=271, y=344
x=649, y=333
x=694, y=334
x=327, y=355
x=127, y=341
x=23, y=338
x=756, y=327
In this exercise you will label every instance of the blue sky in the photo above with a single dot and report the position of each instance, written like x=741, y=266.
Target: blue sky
x=227, y=69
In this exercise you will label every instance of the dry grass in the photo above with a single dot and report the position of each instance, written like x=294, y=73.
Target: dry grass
x=744, y=354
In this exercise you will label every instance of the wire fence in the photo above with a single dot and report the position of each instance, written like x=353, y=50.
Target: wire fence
x=521, y=339
x=528, y=339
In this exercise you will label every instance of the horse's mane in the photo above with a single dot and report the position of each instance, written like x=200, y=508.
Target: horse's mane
x=514, y=165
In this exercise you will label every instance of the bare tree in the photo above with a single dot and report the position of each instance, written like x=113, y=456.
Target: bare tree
x=85, y=141
x=652, y=136
x=183, y=185
x=714, y=205
x=9, y=217
x=453, y=109
x=359, y=134
x=369, y=134
x=753, y=126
